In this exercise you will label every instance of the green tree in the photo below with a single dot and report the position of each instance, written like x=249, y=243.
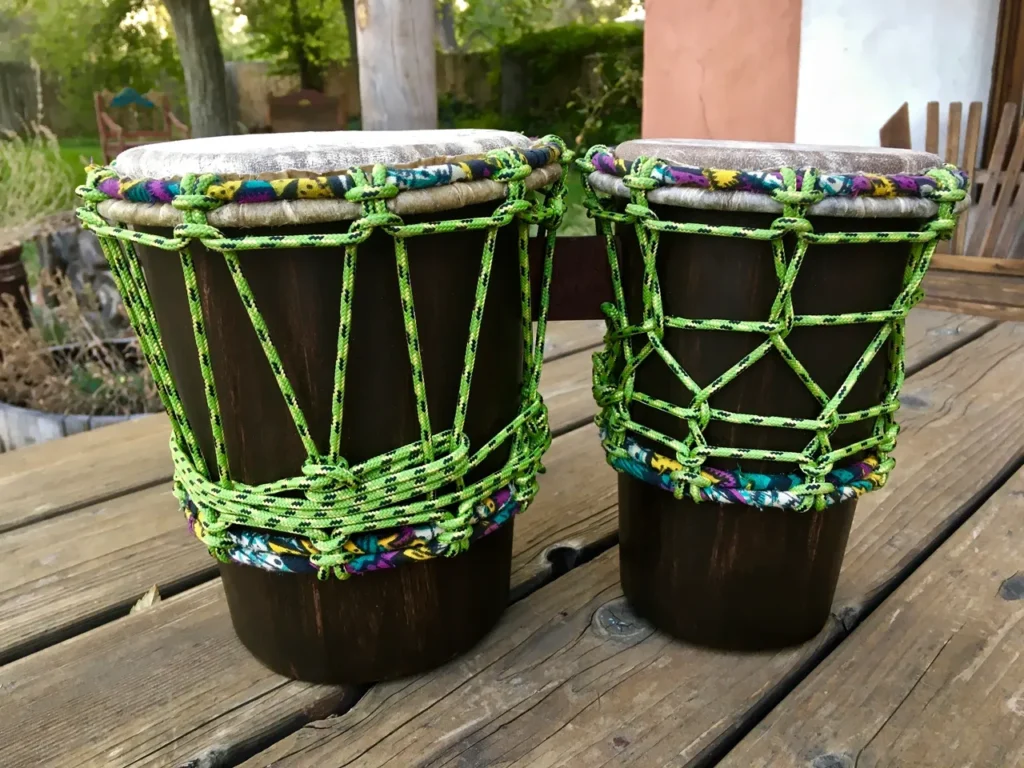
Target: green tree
x=91, y=45
x=302, y=37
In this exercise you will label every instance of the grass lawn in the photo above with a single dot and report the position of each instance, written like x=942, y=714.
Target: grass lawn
x=72, y=150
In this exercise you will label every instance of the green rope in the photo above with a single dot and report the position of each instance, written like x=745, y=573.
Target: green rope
x=616, y=366
x=331, y=501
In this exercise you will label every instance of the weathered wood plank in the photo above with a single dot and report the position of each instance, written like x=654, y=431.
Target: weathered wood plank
x=47, y=480
x=133, y=706
x=567, y=336
x=574, y=514
x=44, y=481
x=931, y=334
x=121, y=726
x=998, y=295
x=558, y=694
x=67, y=574
x=932, y=677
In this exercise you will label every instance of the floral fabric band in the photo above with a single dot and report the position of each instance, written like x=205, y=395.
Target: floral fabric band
x=768, y=181
x=737, y=487
x=332, y=186
x=377, y=551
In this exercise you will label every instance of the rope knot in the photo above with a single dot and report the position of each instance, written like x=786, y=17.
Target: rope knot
x=327, y=477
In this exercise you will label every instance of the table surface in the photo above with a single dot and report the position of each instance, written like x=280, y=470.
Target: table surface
x=919, y=664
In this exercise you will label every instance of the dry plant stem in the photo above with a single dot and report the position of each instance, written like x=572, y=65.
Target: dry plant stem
x=87, y=376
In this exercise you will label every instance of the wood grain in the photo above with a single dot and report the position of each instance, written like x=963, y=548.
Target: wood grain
x=968, y=164
x=65, y=575
x=990, y=180
x=932, y=678
x=245, y=707
x=68, y=574
x=567, y=336
x=544, y=690
x=896, y=130
x=932, y=334
x=953, y=126
x=214, y=698
x=998, y=295
x=931, y=128
x=1002, y=204
x=48, y=480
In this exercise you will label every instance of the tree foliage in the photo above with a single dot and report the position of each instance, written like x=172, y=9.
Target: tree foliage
x=92, y=45
x=303, y=37
x=487, y=23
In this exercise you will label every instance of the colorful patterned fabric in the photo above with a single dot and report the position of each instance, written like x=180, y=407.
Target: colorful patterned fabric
x=376, y=551
x=335, y=186
x=738, y=487
x=769, y=181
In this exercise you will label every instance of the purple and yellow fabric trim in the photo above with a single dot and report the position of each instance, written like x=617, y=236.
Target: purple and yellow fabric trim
x=332, y=186
x=376, y=551
x=751, y=489
x=768, y=181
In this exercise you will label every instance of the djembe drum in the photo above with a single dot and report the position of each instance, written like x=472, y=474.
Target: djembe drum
x=342, y=331
x=752, y=366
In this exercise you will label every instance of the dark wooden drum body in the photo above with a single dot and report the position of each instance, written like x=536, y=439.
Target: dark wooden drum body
x=393, y=621
x=389, y=623
x=731, y=575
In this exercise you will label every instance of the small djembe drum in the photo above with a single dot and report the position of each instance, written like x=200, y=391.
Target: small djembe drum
x=752, y=366
x=342, y=330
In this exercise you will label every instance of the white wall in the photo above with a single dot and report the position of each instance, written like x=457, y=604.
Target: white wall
x=861, y=59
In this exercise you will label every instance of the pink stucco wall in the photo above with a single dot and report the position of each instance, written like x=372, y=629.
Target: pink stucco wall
x=721, y=69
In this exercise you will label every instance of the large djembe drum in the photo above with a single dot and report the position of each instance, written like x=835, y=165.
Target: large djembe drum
x=752, y=366
x=342, y=330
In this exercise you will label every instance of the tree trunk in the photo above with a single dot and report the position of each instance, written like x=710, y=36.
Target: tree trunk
x=446, y=27
x=397, y=64
x=310, y=76
x=349, y=7
x=201, y=59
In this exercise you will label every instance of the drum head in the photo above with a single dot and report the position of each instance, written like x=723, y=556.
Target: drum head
x=265, y=155
x=756, y=156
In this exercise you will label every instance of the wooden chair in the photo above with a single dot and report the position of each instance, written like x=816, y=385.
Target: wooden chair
x=142, y=119
x=306, y=111
x=981, y=270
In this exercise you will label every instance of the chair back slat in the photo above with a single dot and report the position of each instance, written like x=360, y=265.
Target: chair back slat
x=1004, y=197
x=931, y=129
x=896, y=131
x=969, y=163
x=982, y=211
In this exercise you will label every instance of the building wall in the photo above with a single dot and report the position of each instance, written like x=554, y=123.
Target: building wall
x=859, y=61
x=721, y=69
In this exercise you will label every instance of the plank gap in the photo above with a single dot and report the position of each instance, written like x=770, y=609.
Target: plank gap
x=562, y=558
x=75, y=507
x=961, y=340
x=61, y=632
x=847, y=621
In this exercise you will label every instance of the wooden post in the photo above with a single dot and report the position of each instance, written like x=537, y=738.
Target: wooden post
x=397, y=66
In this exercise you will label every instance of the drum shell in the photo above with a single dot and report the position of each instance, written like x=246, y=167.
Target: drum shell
x=387, y=623
x=732, y=576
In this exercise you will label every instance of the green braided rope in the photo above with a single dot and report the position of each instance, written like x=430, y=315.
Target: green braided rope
x=616, y=366
x=418, y=483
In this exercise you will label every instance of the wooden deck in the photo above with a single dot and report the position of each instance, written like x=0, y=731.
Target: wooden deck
x=918, y=666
